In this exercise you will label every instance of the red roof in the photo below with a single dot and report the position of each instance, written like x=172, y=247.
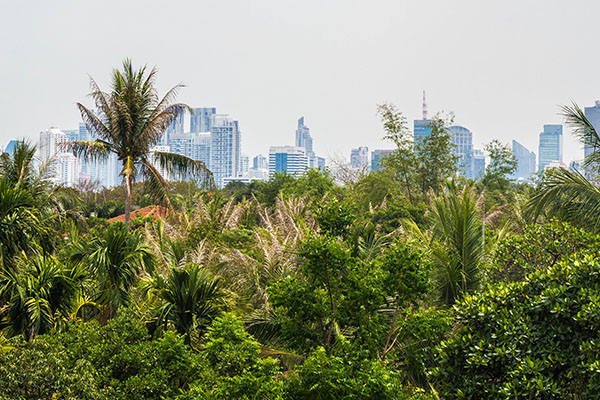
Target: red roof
x=154, y=212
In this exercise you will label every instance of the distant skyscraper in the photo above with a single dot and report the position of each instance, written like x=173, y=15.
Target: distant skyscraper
x=478, y=164
x=303, y=138
x=287, y=159
x=377, y=156
x=225, y=148
x=260, y=162
x=201, y=119
x=462, y=138
x=525, y=161
x=49, y=143
x=64, y=167
x=359, y=157
x=193, y=145
x=551, y=148
x=10, y=147
x=244, y=164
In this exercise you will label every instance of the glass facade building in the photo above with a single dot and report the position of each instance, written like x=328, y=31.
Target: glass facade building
x=551, y=146
x=462, y=138
x=525, y=161
x=291, y=160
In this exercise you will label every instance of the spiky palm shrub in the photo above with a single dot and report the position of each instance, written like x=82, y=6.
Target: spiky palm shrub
x=455, y=243
x=189, y=298
x=130, y=121
x=41, y=292
x=116, y=259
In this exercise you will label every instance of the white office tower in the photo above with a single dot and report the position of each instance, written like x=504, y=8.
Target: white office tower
x=225, y=146
x=63, y=168
x=359, y=158
x=290, y=160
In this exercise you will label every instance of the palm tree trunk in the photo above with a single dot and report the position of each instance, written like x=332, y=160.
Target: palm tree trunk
x=127, y=183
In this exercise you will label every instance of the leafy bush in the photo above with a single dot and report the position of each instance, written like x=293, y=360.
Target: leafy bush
x=535, y=339
x=539, y=247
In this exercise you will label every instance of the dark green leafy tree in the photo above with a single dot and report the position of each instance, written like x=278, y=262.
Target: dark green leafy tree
x=534, y=339
x=502, y=165
x=116, y=257
x=130, y=121
x=404, y=159
x=235, y=369
x=436, y=161
x=537, y=248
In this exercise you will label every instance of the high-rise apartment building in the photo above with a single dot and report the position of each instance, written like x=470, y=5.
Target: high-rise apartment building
x=377, y=156
x=244, y=164
x=64, y=168
x=193, y=145
x=462, y=138
x=201, y=119
x=49, y=143
x=260, y=162
x=525, y=161
x=291, y=160
x=359, y=157
x=225, y=148
x=551, y=146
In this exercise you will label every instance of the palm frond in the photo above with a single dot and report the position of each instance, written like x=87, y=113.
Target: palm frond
x=94, y=150
x=569, y=194
x=184, y=166
x=583, y=129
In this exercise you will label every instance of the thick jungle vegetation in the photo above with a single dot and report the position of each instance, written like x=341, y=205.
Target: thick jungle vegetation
x=409, y=282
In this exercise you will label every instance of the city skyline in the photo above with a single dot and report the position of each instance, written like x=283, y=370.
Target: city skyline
x=490, y=66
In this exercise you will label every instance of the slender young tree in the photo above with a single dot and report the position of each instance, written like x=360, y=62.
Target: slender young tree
x=129, y=122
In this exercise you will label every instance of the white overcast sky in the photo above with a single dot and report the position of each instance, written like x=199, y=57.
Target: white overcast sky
x=503, y=67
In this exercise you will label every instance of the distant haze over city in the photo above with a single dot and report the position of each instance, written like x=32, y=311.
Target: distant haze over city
x=503, y=68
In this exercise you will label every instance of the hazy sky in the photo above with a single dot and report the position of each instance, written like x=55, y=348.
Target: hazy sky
x=503, y=67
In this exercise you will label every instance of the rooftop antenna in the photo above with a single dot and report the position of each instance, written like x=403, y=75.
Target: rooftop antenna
x=424, y=106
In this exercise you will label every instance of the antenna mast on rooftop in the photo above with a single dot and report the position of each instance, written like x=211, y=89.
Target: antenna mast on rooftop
x=424, y=106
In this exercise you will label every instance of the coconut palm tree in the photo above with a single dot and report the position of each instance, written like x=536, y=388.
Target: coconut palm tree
x=568, y=194
x=116, y=258
x=130, y=121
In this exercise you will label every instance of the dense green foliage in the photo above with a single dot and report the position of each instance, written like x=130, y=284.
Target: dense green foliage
x=405, y=283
